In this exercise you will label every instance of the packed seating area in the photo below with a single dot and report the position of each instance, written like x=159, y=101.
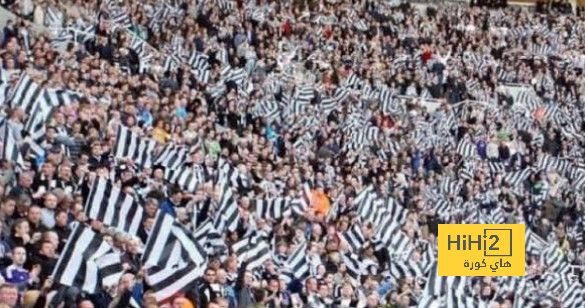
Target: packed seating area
x=280, y=154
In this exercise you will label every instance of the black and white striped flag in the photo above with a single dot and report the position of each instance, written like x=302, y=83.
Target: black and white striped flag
x=145, y=54
x=25, y=93
x=199, y=61
x=391, y=236
x=58, y=97
x=574, y=296
x=171, y=62
x=273, y=209
x=439, y=285
x=173, y=258
x=186, y=178
x=61, y=39
x=130, y=144
x=227, y=213
x=405, y=268
x=369, y=206
x=354, y=266
x=87, y=262
x=269, y=109
x=252, y=249
x=515, y=178
x=456, y=299
x=353, y=237
x=466, y=149
x=54, y=17
x=36, y=129
x=330, y=104
x=121, y=19
x=10, y=148
x=297, y=261
x=534, y=243
x=213, y=239
x=233, y=175
x=172, y=156
x=108, y=204
x=554, y=259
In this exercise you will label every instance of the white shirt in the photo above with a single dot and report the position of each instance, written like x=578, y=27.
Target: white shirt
x=48, y=218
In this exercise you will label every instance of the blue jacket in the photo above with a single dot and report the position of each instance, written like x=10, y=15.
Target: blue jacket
x=231, y=296
x=482, y=149
x=168, y=207
x=416, y=160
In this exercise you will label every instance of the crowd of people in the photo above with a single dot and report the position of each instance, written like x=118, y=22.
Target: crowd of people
x=351, y=130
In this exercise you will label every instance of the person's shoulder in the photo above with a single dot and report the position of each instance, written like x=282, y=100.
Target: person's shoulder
x=15, y=191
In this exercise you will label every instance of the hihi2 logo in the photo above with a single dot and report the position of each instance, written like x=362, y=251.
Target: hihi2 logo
x=481, y=250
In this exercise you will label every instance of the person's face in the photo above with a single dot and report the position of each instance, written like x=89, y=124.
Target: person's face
x=282, y=249
x=248, y=279
x=150, y=209
x=221, y=277
x=76, y=128
x=61, y=219
x=317, y=231
x=50, y=133
x=127, y=281
x=329, y=279
x=48, y=249
x=486, y=291
x=119, y=241
x=346, y=291
x=312, y=285
x=232, y=265
x=9, y=296
x=148, y=223
x=210, y=276
x=83, y=159
x=25, y=181
x=19, y=256
x=34, y=215
x=321, y=271
x=51, y=202
x=273, y=286
x=132, y=246
x=96, y=150
x=23, y=228
x=8, y=207
x=65, y=172
x=177, y=197
x=109, y=240
x=48, y=169
x=159, y=174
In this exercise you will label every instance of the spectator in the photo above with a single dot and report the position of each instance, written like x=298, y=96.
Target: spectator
x=46, y=258
x=175, y=200
x=9, y=295
x=289, y=141
x=131, y=257
x=206, y=293
x=16, y=275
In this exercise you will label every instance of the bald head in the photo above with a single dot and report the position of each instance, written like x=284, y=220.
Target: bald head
x=86, y=304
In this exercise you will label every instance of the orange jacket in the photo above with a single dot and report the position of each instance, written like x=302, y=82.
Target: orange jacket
x=320, y=203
